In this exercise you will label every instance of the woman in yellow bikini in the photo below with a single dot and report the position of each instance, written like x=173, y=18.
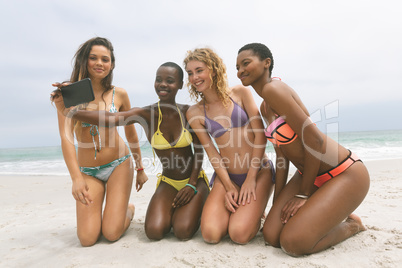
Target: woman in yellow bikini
x=309, y=214
x=182, y=188
x=102, y=158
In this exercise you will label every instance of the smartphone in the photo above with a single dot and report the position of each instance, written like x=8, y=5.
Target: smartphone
x=77, y=93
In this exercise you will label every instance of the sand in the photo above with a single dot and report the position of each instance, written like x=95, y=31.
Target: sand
x=38, y=229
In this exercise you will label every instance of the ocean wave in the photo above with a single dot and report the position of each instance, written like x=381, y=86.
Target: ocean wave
x=374, y=145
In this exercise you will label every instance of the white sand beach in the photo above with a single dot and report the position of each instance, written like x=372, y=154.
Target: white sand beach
x=38, y=229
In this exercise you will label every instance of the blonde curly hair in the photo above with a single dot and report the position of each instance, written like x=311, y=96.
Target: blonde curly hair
x=217, y=67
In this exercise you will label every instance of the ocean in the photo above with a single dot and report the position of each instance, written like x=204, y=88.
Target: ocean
x=368, y=145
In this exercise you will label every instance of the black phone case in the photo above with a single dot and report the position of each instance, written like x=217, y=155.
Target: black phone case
x=77, y=93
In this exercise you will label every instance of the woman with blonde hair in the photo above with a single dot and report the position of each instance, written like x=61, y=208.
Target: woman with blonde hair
x=243, y=180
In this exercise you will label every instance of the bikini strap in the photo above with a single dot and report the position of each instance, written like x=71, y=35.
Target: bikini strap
x=160, y=116
x=94, y=130
x=159, y=123
x=206, y=118
x=113, y=96
x=181, y=120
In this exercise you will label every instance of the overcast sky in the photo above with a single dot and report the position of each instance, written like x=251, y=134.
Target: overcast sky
x=342, y=57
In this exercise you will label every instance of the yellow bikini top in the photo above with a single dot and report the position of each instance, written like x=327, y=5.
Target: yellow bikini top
x=159, y=142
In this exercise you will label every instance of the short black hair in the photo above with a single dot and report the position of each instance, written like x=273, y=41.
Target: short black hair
x=177, y=67
x=261, y=50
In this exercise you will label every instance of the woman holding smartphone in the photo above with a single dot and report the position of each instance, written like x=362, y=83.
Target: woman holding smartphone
x=182, y=187
x=102, y=168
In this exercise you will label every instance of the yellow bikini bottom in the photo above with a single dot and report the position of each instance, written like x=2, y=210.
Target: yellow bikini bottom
x=179, y=184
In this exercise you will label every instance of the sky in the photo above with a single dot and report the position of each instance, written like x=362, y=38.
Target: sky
x=342, y=57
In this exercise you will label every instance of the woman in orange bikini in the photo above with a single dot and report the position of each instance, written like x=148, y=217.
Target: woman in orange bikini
x=182, y=188
x=331, y=182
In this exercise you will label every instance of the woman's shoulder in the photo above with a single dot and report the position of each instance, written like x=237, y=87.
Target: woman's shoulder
x=183, y=107
x=240, y=92
x=276, y=85
x=120, y=93
x=195, y=109
x=119, y=90
x=121, y=99
x=239, y=89
x=276, y=89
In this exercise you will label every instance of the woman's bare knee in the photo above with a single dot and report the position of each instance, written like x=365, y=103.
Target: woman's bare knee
x=88, y=239
x=271, y=237
x=156, y=231
x=211, y=234
x=112, y=233
x=184, y=233
x=241, y=232
x=294, y=244
x=184, y=230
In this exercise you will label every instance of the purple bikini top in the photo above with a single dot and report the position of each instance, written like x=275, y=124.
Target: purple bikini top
x=238, y=119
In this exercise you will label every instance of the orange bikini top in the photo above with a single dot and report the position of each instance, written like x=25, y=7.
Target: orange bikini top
x=279, y=132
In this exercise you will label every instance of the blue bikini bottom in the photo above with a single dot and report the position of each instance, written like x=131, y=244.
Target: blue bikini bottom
x=103, y=172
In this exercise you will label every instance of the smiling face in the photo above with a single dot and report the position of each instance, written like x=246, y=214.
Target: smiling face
x=199, y=75
x=250, y=68
x=99, y=62
x=167, y=83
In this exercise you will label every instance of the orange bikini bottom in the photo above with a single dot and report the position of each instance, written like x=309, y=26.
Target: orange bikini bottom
x=341, y=167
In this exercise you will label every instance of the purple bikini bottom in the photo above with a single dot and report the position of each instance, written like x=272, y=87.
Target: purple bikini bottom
x=240, y=178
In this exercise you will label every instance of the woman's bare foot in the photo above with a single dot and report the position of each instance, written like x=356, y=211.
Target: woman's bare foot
x=131, y=211
x=355, y=223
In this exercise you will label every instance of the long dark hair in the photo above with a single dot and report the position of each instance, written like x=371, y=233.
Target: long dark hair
x=80, y=70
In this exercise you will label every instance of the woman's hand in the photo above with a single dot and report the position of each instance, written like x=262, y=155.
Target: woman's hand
x=291, y=207
x=141, y=179
x=183, y=197
x=80, y=192
x=231, y=198
x=247, y=192
x=57, y=98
